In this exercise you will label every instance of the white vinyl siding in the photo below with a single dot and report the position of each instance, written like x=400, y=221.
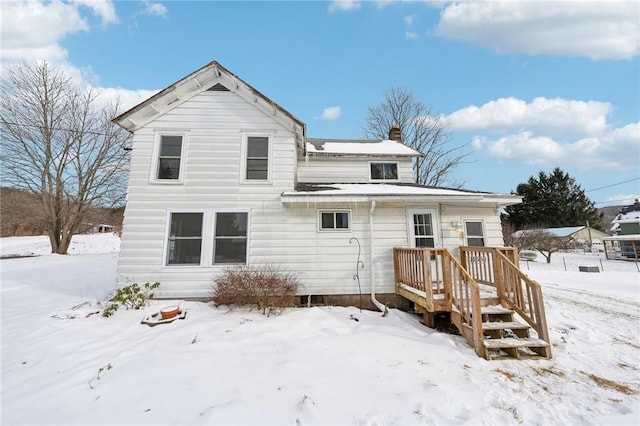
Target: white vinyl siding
x=347, y=170
x=214, y=126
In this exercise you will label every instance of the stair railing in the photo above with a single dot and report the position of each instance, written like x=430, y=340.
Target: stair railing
x=497, y=266
x=437, y=271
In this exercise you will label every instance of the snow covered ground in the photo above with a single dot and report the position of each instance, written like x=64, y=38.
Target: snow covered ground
x=62, y=365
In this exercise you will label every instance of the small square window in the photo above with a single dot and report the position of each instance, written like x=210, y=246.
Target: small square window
x=170, y=157
x=334, y=221
x=384, y=171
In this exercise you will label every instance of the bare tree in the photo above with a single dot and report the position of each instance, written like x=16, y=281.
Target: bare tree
x=421, y=130
x=58, y=142
x=542, y=241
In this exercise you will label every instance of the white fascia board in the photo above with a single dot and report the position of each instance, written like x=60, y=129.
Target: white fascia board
x=463, y=200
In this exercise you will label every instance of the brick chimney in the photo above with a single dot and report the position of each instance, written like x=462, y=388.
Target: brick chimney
x=395, y=134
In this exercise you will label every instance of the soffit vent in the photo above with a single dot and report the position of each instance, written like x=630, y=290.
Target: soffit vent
x=218, y=88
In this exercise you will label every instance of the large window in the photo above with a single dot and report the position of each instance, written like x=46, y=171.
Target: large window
x=169, y=157
x=185, y=239
x=334, y=220
x=384, y=171
x=475, y=233
x=257, y=167
x=230, y=240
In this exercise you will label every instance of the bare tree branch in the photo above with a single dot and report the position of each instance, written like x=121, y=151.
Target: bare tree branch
x=58, y=141
x=421, y=130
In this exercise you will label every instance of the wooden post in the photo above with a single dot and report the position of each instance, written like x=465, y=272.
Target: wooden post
x=498, y=274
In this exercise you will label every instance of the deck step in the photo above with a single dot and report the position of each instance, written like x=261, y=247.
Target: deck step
x=495, y=310
x=513, y=342
x=504, y=325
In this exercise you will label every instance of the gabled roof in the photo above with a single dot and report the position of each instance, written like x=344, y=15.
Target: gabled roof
x=358, y=148
x=207, y=77
x=391, y=192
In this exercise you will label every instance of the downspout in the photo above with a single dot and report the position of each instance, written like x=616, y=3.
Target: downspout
x=372, y=277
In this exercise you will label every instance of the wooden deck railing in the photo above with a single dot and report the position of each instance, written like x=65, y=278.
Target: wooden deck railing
x=437, y=272
x=497, y=266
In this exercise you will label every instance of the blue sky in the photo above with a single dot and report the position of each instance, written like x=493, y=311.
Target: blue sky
x=529, y=85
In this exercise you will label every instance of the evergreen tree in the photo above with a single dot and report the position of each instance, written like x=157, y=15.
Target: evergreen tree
x=552, y=200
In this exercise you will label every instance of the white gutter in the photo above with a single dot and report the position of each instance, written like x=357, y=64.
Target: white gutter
x=372, y=277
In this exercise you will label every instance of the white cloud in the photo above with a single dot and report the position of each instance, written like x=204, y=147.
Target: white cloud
x=157, y=9
x=409, y=19
x=615, y=150
x=103, y=8
x=542, y=115
x=344, y=5
x=595, y=29
x=331, y=113
x=31, y=31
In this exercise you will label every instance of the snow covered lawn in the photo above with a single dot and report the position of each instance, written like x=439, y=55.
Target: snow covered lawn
x=63, y=365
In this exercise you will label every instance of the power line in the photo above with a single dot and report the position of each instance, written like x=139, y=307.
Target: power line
x=613, y=184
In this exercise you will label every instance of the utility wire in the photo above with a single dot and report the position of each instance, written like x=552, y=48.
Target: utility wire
x=613, y=184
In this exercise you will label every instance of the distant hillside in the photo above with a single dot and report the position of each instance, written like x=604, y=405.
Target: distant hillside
x=21, y=214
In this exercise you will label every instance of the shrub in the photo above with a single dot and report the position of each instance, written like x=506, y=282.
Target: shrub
x=265, y=287
x=131, y=297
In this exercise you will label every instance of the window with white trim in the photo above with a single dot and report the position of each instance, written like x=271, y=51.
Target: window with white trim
x=184, y=245
x=334, y=220
x=475, y=233
x=423, y=232
x=383, y=171
x=257, y=161
x=230, y=238
x=169, y=157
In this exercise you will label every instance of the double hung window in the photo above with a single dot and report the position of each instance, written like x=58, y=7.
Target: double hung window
x=184, y=245
x=169, y=157
x=475, y=233
x=257, y=166
x=230, y=239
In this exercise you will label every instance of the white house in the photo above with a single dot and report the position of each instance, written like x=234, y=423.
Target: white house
x=221, y=175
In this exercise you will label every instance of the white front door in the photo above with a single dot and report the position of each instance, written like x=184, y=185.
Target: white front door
x=423, y=228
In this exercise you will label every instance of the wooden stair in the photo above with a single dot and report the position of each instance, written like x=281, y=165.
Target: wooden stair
x=494, y=305
x=504, y=337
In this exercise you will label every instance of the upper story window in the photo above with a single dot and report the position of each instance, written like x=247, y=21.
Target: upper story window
x=334, y=220
x=257, y=158
x=169, y=157
x=475, y=233
x=184, y=245
x=384, y=171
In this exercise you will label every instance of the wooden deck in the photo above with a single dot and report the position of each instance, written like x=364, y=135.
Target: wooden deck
x=493, y=304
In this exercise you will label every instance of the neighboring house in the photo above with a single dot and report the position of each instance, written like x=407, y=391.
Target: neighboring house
x=626, y=227
x=221, y=176
x=580, y=236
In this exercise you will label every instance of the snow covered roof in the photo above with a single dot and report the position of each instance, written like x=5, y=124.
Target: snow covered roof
x=332, y=147
x=558, y=232
x=398, y=192
x=628, y=217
